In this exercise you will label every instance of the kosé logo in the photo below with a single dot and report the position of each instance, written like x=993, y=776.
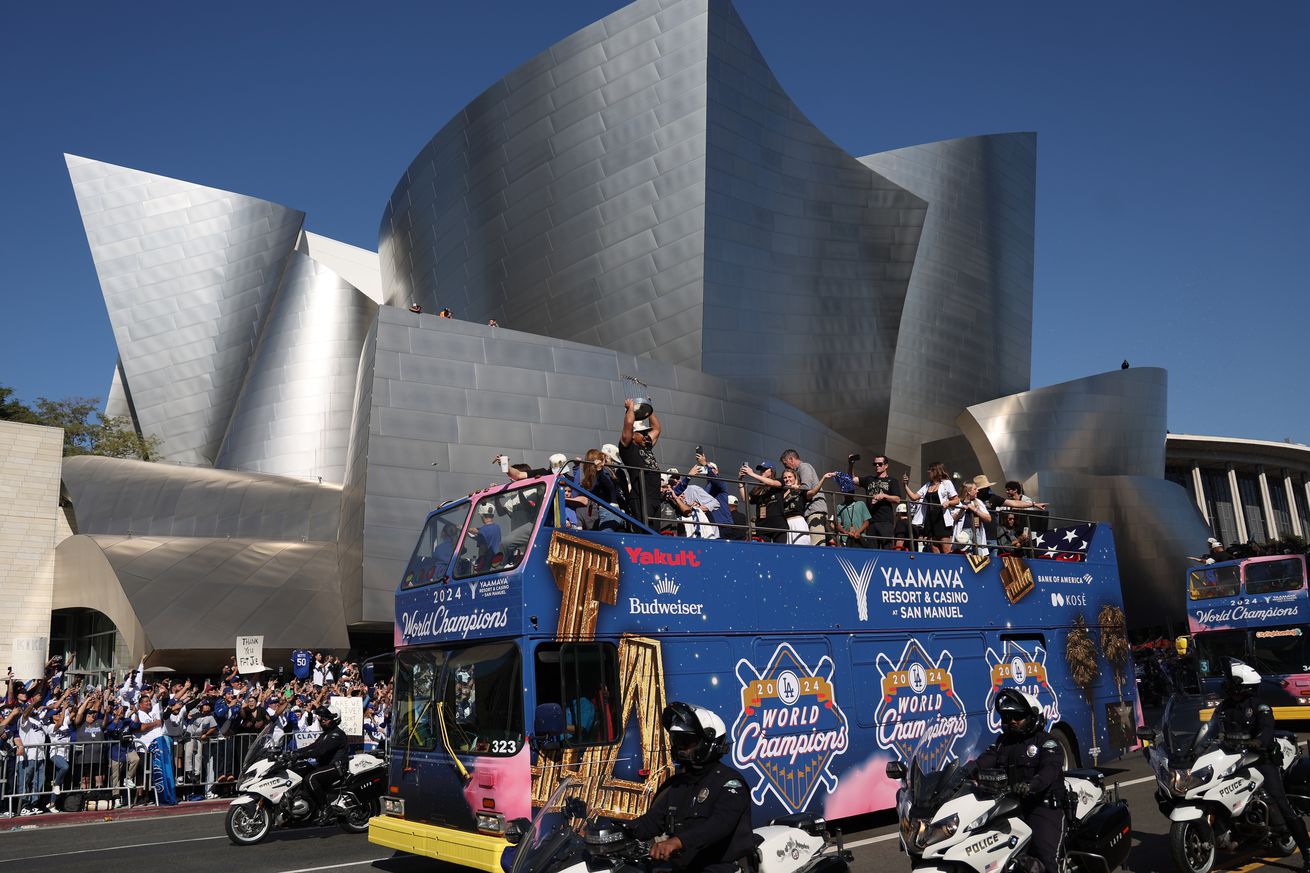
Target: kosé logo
x=1060, y=599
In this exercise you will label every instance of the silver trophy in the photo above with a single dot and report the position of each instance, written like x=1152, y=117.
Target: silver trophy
x=639, y=393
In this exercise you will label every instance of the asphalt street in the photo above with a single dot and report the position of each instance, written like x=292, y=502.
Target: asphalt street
x=197, y=844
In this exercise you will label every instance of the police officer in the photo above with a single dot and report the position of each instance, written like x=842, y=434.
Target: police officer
x=330, y=750
x=703, y=810
x=1035, y=763
x=1251, y=724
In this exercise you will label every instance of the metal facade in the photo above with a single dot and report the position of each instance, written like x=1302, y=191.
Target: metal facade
x=966, y=332
x=188, y=274
x=293, y=415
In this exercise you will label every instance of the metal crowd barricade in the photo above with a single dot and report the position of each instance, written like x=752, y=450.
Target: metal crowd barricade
x=200, y=768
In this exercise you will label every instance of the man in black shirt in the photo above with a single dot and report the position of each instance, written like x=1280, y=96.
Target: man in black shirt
x=329, y=750
x=637, y=449
x=703, y=811
x=884, y=492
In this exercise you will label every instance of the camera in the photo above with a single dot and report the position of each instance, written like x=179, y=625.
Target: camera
x=852, y=458
x=700, y=450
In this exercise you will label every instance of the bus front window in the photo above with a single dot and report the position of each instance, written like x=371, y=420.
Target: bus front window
x=1215, y=648
x=1264, y=577
x=413, y=718
x=499, y=532
x=436, y=546
x=1206, y=583
x=1281, y=651
x=481, y=699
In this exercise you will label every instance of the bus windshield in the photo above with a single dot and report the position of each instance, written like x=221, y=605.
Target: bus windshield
x=468, y=699
x=1265, y=577
x=500, y=530
x=436, y=546
x=1214, y=580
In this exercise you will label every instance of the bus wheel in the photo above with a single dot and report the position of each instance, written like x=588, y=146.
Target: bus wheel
x=1066, y=748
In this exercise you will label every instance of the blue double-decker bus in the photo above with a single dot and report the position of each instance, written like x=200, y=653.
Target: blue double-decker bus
x=1256, y=610
x=825, y=663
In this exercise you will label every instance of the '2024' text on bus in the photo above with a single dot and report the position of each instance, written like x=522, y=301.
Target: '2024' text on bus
x=824, y=663
x=1255, y=610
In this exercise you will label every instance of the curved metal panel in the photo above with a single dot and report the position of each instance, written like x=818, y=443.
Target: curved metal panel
x=188, y=274
x=112, y=496
x=966, y=332
x=293, y=416
x=567, y=199
x=1110, y=424
x=200, y=593
x=808, y=253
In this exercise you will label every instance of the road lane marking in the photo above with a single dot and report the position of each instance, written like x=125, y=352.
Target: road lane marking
x=338, y=866
x=112, y=849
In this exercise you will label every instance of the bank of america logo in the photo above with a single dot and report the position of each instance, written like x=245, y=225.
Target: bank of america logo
x=665, y=585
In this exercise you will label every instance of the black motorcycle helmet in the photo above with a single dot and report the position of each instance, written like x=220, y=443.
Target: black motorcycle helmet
x=697, y=736
x=1019, y=714
x=323, y=714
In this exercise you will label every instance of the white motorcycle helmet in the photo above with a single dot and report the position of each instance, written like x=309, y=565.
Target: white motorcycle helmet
x=1243, y=680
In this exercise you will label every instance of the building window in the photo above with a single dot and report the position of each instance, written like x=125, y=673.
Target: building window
x=1252, y=508
x=1282, y=516
x=1298, y=491
x=1219, y=505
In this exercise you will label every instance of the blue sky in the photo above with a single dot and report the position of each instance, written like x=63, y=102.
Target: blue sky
x=1172, y=214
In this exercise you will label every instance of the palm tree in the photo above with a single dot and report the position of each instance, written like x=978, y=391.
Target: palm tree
x=1080, y=654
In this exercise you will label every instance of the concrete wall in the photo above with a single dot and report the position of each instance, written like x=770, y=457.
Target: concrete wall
x=30, y=461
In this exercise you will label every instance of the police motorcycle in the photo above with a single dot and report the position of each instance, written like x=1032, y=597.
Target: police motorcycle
x=566, y=837
x=273, y=793
x=957, y=818
x=1209, y=788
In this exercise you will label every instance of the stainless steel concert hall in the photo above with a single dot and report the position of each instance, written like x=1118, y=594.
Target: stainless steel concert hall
x=642, y=198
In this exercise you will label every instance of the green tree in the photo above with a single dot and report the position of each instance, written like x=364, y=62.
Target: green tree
x=87, y=431
x=14, y=410
x=1080, y=654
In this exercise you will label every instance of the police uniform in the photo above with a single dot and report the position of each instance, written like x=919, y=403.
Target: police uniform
x=708, y=809
x=1253, y=721
x=1037, y=761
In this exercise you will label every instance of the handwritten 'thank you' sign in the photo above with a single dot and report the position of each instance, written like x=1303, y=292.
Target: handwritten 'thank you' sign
x=250, y=655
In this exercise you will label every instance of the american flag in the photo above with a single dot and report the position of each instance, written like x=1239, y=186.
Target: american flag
x=1064, y=543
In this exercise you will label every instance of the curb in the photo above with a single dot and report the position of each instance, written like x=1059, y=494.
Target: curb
x=66, y=818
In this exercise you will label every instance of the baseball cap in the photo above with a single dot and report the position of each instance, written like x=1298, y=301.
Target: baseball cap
x=1213, y=542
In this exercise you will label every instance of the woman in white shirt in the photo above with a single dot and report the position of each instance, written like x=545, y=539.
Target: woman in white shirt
x=969, y=518
x=935, y=503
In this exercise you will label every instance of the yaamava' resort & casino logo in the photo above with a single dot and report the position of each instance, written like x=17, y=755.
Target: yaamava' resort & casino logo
x=1017, y=667
x=790, y=727
x=919, y=702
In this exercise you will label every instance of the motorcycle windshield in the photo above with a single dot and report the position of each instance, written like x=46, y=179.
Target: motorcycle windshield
x=1183, y=730
x=943, y=762
x=556, y=832
x=269, y=742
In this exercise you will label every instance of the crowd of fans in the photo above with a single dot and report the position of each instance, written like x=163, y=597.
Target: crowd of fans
x=71, y=742
x=787, y=501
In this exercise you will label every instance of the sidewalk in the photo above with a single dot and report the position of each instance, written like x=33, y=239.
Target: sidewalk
x=27, y=822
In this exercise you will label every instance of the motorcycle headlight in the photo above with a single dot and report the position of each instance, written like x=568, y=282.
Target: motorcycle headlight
x=1183, y=781
x=924, y=833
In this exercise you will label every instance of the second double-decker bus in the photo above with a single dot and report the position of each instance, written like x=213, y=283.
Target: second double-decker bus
x=527, y=653
x=1256, y=610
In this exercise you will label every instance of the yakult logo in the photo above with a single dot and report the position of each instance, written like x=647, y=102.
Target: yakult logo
x=681, y=558
x=790, y=727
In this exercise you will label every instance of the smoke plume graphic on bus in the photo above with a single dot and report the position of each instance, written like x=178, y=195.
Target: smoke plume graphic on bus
x=1016, y=667
x=790, y=727
x=919, y=699
x=859, y=583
